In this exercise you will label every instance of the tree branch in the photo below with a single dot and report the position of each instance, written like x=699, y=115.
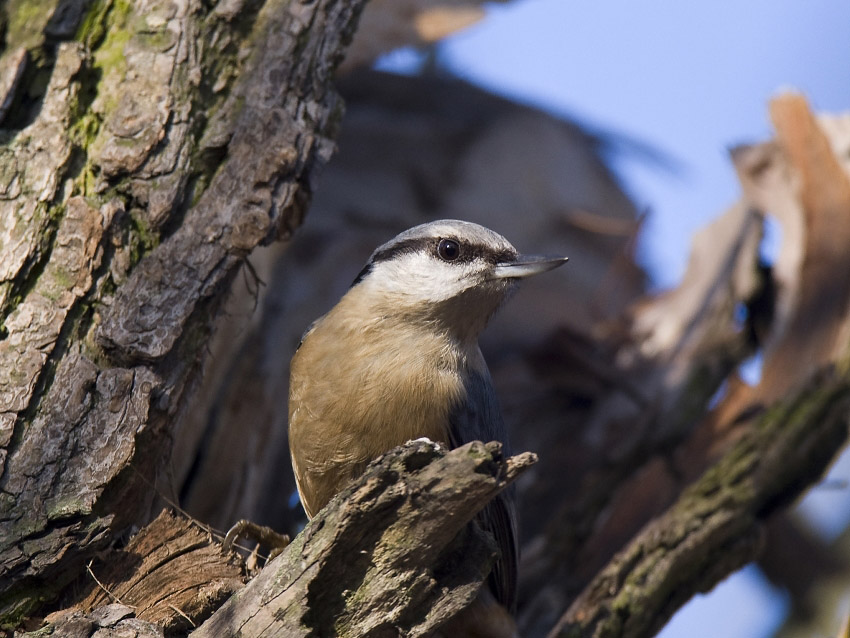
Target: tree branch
x=392, y=551
x=804, y=339
x=715, y=526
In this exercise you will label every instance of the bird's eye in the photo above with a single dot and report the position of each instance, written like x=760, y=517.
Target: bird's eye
x=448, y=249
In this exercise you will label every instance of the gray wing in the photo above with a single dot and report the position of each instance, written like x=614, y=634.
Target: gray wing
x=481, y=419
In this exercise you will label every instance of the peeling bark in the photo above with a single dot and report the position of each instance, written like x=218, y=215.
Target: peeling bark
x=763, y=444
x=393, y=554
x=171, y=574
x=652, y=386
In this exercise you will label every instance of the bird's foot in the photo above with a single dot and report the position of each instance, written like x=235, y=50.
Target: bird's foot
x=260, y=534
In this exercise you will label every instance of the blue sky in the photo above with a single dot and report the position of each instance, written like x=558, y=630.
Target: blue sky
x=686, y=78
x=691, y=80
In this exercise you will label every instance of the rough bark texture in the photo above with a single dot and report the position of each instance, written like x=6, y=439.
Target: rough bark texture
x=391, y=555
x=170, y=141
x=786, y=321
x=715, y=527
x=171, y=574
x=110, y=621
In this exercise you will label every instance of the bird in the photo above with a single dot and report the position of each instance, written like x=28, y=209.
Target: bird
x=397, y=359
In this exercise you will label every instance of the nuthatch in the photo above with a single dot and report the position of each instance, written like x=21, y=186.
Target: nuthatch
x=398, y=359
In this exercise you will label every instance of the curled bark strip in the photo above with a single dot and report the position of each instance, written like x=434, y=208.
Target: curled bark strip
x=772, y=440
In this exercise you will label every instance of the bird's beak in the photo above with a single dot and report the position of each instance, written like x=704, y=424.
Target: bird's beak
x=526, y=266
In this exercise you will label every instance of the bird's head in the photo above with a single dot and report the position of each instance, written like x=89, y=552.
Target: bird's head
x=448, y=273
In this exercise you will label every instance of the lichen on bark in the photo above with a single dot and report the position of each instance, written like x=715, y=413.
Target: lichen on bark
x=119, y=229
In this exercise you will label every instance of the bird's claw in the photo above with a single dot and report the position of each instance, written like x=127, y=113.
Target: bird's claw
x=261, y=534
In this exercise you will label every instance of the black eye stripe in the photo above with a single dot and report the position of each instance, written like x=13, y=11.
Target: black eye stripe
x=400, y=248
x=468, y=252
x=471, y=252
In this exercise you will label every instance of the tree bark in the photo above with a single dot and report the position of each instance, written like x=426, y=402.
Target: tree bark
x=716, y=525
x=392, y=554
x=797, y=318
x=172, y=139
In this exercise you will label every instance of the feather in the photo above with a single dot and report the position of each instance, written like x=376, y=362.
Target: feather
x=478, y=418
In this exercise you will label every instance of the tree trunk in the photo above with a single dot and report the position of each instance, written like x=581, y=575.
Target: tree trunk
x=172, y=138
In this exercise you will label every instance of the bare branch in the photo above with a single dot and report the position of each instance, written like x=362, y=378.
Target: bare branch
x=715, y=526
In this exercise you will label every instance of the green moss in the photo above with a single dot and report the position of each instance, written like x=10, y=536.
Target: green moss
x=84, y=129
x=45, y=631
x=58, y=282
x=105, y=30
x=27, y=19
x=20, y=604
x=66, y=507
x=56, y=213
x=110, y=56
x=86, y=182
x=93, y=25
x=146, y=238
x=731, y=480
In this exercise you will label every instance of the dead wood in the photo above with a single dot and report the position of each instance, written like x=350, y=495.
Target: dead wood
x=171, y=574
x=109, y=621
x=393, y=554
x=149, y=147
x=772, y=440
x=715, y=527
x=647, y=381
x=390, y=555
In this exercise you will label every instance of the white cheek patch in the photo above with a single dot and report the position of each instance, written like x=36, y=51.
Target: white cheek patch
x=423, y=277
